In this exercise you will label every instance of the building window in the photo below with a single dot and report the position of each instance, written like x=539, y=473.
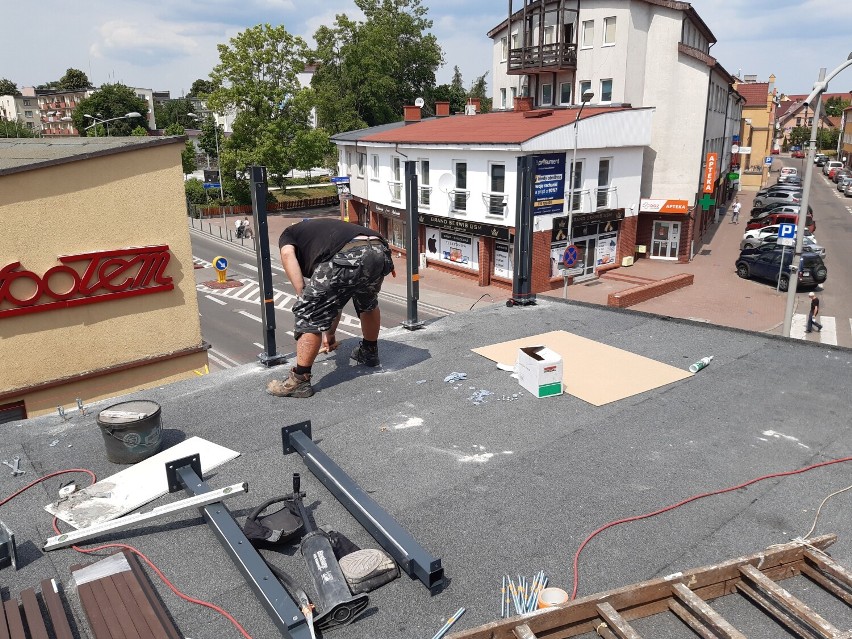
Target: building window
x=514, y=93
x=495, y=201
x=348, y=162
x=26, y=103
x=609, y=31
x=503, y=98
x=547, y=94
x=514, y=40
x=603, y=183
x=588, y=33
x=585, y=87
x=395, y=185
x=549, y=32
x=362, y=164
x=504, y=45
x=28, y=114
x=425, y=190
x=568, y=33
x=460, y=193
x=576, y=200
x=565, y=93
x=606, y=91
x=375, y=172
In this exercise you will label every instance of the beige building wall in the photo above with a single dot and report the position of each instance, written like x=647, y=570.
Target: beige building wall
x=758, y=136
x=132, y=198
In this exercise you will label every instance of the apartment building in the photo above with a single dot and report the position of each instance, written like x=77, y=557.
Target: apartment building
x=24, y=109
x=643, y=53
x=757, y=134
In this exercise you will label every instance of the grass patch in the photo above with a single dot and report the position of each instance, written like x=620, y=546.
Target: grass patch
x=303, y=193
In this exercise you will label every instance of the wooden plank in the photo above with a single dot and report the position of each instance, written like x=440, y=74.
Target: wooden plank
x=119, y=606
x=824, y=582
x=32, y=611
x=58, y=616
x=523, y=632
x=827, y=565
x=616, y=622
x=653, y=596
x=774, y=611
x=142, y=583
x=4, y=628
x=781, y=597
x=97, y=621
x=709, y=617
x=13, y=619
x=690, y=620
x=121, y=581
x=113, y=627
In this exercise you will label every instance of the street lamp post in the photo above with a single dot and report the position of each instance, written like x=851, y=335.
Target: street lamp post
x=816, y=95
x=218, y=164
x=586, y=97
x=97, y=121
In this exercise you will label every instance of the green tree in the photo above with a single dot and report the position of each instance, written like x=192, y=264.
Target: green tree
x=827, y=138
x=139, y=132
x=15, y=129
x=73, y=80
x=174, y=112
x=195, y=191
x=369, y=70
x=799, y=135
x=479, y=89
x=200, y=88
x=110, y=101
x=187, y=158
x=835, y=106
x=210, y=133
x=311, y=148
x=174, y=129
x=7, y=87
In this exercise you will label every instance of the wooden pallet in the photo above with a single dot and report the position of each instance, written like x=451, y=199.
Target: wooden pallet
x=124, y=605
x=26, y=618
x=686, y=595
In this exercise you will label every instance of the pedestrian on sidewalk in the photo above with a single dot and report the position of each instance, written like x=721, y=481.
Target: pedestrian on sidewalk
x=813, y=314
x=735, y=211
x=329, y=262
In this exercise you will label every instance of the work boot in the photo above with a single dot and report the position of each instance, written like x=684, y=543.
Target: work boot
x=366, y=355
x=294, y=386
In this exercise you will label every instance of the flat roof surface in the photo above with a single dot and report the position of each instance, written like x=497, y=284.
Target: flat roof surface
x=499, y=487
x=24, y=154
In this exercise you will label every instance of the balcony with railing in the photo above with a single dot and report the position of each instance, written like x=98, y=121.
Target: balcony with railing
x=607, y=197
x=552, y=57
x=395, y=189
x=495, y=203
x=458, y=200
x=578, y=198
x=425, y=196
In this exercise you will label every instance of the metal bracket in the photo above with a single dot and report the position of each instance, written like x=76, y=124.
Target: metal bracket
x=172, y=470
x=280, y=607
x=8, y=551
x=397, y=542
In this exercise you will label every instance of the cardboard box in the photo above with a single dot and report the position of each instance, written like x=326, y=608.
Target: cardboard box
x=540, y=370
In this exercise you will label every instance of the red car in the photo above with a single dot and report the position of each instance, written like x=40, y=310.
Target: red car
x=779, y=218
x=775, y=152
x=797, y=154
x=832, y=172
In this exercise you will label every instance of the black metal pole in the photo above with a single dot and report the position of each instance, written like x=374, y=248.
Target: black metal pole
x=412, y=246
x=270, y=355
x=265, y=586
x=522, y=274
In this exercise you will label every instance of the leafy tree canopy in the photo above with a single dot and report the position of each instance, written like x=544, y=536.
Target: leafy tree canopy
x=835, y=106
x=369, y=70
x=7, y=87
x=15, y=129
x=479, y=89
x=207, y=140
x=110, y=101
x=139, y=132
x=187, y=158
x=74, y=80
x=174, y=112
x=174, y=129
x=200, y=88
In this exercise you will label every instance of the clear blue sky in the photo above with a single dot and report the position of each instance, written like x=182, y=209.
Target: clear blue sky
x=166, y=44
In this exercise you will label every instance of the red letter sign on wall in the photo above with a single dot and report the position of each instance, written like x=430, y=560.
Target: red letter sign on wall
x=710, y=172
x=94, y=277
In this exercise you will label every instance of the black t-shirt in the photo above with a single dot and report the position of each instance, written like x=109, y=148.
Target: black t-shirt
x=316, y=241
x=814, y=305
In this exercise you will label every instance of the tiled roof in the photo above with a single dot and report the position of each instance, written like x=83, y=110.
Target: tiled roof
x=755, y=93
x=503, y=127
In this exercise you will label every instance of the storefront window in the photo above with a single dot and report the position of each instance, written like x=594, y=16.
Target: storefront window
x=504, y=256
x=454, y=248
x=396, y=233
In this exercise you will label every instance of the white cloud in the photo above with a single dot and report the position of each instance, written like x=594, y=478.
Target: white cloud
x=143, y=42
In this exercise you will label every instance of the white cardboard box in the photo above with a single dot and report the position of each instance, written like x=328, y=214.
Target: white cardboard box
x=540, y=370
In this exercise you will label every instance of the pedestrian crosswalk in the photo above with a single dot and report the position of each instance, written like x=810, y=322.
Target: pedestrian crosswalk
x=828, y=334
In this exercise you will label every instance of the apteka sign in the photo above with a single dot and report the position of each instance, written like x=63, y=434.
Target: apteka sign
x=87, y=278
x=710, y=168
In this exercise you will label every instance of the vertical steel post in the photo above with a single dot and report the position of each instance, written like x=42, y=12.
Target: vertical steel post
x=522, y=274
x=269, y=356
x=412, y=246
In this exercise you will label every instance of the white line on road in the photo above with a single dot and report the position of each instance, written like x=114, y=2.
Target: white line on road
x=346, y=332
x=217, y=300
x=828, y=334
x=221, y=359
x=249, y=315
x=258, y=345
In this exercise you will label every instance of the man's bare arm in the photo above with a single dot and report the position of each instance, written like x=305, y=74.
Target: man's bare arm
x=292, y=268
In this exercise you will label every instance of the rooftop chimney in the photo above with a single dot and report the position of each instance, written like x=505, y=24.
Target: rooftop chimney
x=523, y=103
x=476, y=103
x=442, y=109
x=412, y=113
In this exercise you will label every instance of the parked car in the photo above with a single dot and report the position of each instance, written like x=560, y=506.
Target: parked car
x=769, y=265
x=786, y=197
x=797, y=154
x=840, y=173
x=818, y=156
x=848, y=190
x=779, y=218
x=771, y=241
x=843, y=180
x=753, y=237
x=821, y=159
x=833, y=172
x=778, y=187
x=790, y=180
x=831, y=164
x=786, y=173
x=775, y=151
x=778, y=207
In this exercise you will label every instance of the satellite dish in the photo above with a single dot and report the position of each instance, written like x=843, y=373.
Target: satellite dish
x=446, y=183
x=419, y=102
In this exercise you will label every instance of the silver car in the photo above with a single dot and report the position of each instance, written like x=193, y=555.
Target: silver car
x=785, y=197
x=843, y=181
x=848, y=190
x=766, y=242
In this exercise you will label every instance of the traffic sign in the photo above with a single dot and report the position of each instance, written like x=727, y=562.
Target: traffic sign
x=569, y=258
x=735, y=149
x=767, y=160
x=786, y=230
x=745, y=150
x=220, y=263
x=211, y=185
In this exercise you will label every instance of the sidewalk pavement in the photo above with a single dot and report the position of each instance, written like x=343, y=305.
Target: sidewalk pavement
x=717, y=296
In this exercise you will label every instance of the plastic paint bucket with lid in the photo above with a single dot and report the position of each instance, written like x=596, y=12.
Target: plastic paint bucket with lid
x=552, y=597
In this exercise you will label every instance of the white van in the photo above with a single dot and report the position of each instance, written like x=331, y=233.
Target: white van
x=834, y=164
x=787, y=172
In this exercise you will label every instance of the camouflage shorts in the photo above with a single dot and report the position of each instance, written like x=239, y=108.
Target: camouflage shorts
x=355, y=273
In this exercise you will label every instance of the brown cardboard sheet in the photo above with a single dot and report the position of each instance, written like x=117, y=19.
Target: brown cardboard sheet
x=594, y=372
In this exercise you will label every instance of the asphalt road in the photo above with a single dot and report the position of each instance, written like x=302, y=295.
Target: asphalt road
x=231, y=318
x=833, y=218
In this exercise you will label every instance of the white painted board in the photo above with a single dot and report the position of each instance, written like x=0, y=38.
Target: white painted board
x=136, y=486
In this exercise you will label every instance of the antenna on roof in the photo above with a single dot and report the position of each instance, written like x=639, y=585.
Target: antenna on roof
x=419, y=102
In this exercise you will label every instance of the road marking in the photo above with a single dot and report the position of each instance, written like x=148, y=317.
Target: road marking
x=200, y=262
x=258, y=345
x=828, y=334
x=249, y=315
x=290, y=333
x=221, y=359
x=797, y=326
x=218, y=301
x=346, y=332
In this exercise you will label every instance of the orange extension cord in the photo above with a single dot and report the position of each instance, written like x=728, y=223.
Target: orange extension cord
x=683, y=503
x=136, y=552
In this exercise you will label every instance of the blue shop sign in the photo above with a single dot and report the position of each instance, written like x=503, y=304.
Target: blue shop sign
x=549, y=184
